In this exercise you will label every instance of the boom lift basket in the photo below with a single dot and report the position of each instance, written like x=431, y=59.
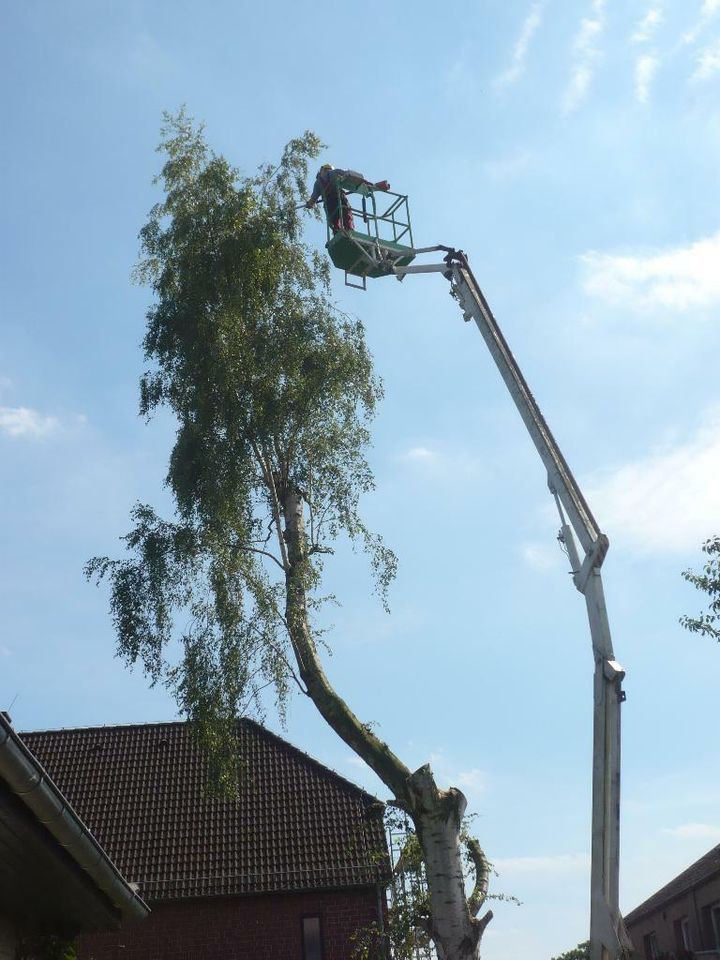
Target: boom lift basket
x=382, y=238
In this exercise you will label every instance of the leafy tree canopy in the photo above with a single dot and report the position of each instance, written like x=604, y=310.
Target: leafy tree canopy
x=272, y=389
x=708, y=581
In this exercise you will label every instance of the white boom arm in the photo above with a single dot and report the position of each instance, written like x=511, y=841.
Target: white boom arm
x=608, y=938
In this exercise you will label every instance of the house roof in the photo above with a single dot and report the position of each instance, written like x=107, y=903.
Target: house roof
x=697, y=873
x=54, y=876
x=142, y=790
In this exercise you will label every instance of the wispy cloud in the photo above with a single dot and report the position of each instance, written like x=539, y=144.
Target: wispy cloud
x=707, y=12
x=645, y=69
x=472, y=781
x=586, y=55
x=699, y=831
x=707, y=62
x=520, y=50
x=682, y=278
x=420, y=455
x=667, y=501
x=24, y=422
x=646, y=28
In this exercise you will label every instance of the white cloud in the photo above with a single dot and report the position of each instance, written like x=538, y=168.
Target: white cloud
x=707, y=12
x=645, y=70
x=682, y=278
x=520, y=50
x=667, y=501
x=699, y=831
x=648, y=25
x=472, y=782
x=24, y=422
x=585, y=57
x=708, y=62
x=420, y=454
x=560, y=864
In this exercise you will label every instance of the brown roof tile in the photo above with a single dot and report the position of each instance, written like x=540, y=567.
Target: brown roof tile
x=295, y=825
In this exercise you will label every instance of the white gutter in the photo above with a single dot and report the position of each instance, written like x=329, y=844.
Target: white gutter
x=31, y=784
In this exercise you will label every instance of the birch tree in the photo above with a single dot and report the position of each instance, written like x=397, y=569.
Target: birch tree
x=707, y=581
x=272, y=389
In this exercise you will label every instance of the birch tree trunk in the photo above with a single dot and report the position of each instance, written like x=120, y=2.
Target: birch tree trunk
x=436, y=814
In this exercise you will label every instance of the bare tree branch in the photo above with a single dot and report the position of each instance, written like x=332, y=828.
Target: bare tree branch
x=263, y=553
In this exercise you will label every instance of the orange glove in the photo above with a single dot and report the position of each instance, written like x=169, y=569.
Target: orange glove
x=381, y=185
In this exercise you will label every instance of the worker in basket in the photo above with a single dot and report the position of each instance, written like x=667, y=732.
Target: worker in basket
x=328, y=185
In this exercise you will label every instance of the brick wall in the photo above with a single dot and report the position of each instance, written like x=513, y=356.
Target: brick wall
x=237, y=928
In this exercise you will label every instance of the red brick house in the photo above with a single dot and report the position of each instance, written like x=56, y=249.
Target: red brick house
x=682, y=919
x=288, y=870
x=55, y=879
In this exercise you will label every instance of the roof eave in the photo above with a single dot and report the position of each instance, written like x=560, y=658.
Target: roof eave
x=31, y=784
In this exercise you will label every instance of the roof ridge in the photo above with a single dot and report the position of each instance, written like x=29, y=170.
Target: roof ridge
x=240, y=720
x=105, y=726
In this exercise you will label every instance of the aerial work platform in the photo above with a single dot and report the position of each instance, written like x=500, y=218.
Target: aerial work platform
x=382, y=236
x=385, y=248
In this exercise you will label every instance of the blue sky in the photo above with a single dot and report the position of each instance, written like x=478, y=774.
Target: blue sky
x=571, y=149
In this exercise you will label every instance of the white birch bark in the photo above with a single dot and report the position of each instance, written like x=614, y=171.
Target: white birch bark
x=437, y=814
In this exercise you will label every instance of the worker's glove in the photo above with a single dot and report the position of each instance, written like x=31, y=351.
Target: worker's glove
x=382, y=185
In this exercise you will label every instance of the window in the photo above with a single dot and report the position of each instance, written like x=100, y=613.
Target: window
x=681, y=929
x=651, y=947
x=715, y=923
x=685, y=932
x=311, y=938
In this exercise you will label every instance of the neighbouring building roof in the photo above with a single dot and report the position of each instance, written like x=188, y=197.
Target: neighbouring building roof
x=142, y=790
x=54, y=875
x=699, y=872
